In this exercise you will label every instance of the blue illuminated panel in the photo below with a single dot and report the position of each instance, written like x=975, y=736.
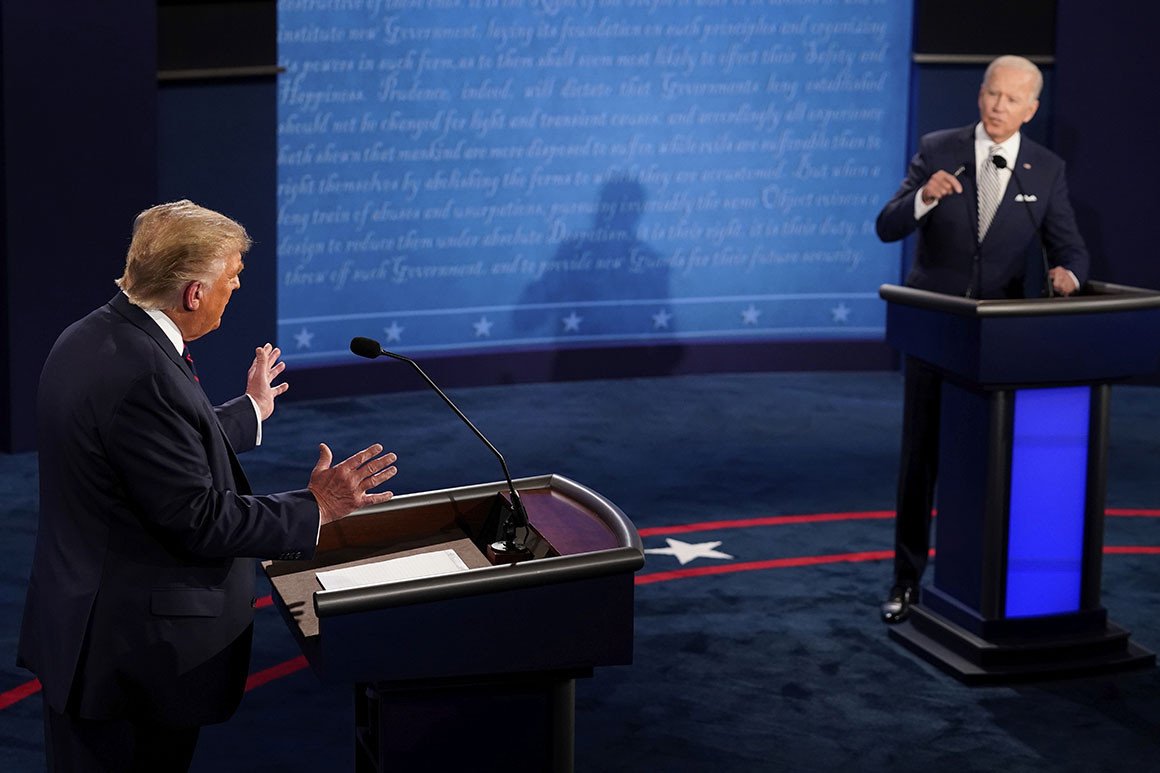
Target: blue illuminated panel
x=1049, y=456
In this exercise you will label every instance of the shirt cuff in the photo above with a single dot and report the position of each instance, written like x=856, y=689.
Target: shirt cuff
x=921, y=207
x=258, y=416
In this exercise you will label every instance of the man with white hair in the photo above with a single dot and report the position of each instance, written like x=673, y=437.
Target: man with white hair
x=139, y=613
x=979, y=197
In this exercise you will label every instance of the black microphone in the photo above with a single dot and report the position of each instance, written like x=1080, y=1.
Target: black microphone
x=517, y=518
x=1001, y=163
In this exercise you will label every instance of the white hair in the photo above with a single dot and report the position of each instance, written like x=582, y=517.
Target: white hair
x=1017, y=63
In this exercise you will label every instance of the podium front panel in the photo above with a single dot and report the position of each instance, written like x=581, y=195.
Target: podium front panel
x=572, y=608
x=1045, y=522
x=1112, y=334
x=1022, y=476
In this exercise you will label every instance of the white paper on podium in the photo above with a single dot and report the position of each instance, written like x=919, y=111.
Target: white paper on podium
x=393, y=570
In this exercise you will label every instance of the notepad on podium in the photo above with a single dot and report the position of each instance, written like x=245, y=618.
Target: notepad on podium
x=414, y=567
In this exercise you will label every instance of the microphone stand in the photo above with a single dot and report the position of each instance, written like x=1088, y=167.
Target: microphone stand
x=509, y=548
x=1001, y=163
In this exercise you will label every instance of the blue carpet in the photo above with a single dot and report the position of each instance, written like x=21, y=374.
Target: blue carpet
x=782, y=668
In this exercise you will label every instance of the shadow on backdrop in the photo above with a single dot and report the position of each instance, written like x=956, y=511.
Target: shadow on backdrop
x=604, y=285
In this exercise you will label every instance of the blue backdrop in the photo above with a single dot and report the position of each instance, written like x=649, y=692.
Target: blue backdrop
x=461, y=176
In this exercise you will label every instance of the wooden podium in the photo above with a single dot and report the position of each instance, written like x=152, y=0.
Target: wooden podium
x=1022, y=476
x=474, y=670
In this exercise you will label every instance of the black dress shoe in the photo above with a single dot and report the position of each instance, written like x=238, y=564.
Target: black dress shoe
x=896, y=608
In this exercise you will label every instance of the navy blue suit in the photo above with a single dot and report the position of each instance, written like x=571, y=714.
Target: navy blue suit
x=944, y=255
x=139, y=605
x=950, y=260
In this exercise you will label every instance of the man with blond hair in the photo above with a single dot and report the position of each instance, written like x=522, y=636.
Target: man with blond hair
x=138, y=619
x=979, y=197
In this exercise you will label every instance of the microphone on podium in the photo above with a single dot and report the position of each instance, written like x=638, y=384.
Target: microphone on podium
x=509, y=547
x=1001, y=163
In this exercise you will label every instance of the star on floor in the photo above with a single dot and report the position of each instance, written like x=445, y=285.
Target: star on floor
x=394, y=332
x=686, y=552
x=661, y=319
x=749, y=316
x=572, y=322
x=303, y=338
x=841, y=312
x=482, y=327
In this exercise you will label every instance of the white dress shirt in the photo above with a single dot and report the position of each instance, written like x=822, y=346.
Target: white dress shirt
x=171, y=331
x=1008, y=149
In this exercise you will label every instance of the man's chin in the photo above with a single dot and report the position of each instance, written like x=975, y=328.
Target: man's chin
x=996, y=129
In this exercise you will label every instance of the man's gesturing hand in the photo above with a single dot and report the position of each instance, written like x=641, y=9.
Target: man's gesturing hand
x=342, y=489
x=263, y=370
x=940, y=185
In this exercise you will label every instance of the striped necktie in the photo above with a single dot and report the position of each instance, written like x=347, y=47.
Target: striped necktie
x=990, y=191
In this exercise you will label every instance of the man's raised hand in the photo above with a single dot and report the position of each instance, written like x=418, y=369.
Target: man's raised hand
x=345, y=487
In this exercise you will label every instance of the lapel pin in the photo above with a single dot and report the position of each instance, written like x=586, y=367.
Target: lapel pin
x=1026, y=165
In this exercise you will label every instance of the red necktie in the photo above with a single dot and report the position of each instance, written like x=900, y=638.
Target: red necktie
x=189, y=361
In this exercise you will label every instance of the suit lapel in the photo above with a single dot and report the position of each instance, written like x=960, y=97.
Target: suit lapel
x=138, y=317
x=134, y=314
x=1008, y=204
x=966, y=151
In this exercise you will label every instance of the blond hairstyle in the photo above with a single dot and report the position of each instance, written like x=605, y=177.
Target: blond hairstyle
x=175, y=244
x=1017, y=63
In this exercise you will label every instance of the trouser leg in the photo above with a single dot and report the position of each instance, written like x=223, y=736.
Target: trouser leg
x=917, y=471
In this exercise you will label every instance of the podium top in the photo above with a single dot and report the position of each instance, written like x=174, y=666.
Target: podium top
x=1108, y=333
x=1097, y=297
x=571, y=605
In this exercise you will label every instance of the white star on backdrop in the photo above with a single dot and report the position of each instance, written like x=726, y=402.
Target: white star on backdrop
x=482, y=327
x=661, y=319
x=572, y=322
x=303, y=338
x=685, y=552
x=749, y=316
x=841, y=312
x=394, y=332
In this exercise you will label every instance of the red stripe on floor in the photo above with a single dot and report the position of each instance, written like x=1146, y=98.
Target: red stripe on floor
x=259, y=678
x=17, y=694
x=868, y=515
x=1132, y=550
x=772, y=520
x=773, y=563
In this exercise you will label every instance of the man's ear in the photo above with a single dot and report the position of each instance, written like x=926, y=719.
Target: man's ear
x=191, y=296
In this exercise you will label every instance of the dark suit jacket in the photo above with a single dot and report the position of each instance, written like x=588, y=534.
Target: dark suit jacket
x=138, y=605
x=944, y=255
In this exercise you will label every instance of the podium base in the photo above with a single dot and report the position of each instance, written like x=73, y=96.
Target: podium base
x=977, y=661
x=515, y=723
